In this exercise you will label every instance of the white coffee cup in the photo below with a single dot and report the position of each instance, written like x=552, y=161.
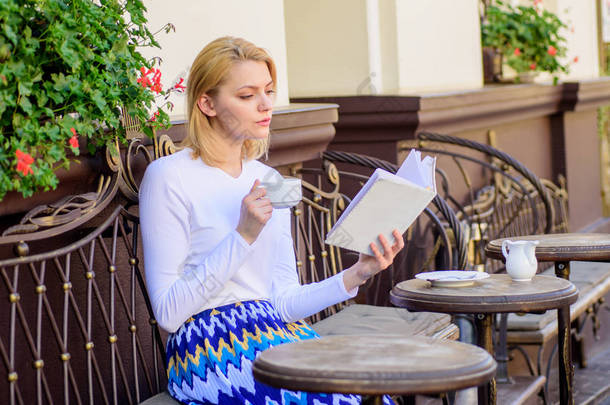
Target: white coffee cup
x=284, y=192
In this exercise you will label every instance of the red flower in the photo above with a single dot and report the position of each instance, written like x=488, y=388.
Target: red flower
x=154, y=116
x=156, y=88
x=533, y=66
x=74, y=139
x=24, y=161
x=552, y=50
x=575, y=59
x=157, y=76
x=179, y=86
x=146, y=82
x=517, y=52
x=537, y=2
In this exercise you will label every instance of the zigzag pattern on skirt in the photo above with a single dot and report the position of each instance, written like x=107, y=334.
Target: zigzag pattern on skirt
x=210, y=357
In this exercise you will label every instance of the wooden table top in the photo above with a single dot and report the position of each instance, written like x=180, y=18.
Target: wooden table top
x=374, y=365
x=561, y=247
x=496, y=294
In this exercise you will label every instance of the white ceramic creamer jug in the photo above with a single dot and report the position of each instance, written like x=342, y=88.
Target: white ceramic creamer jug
x=521, y=263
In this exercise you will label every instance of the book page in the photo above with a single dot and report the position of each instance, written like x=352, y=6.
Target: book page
x=429, y=169
x=411, y=170
x=418, y=171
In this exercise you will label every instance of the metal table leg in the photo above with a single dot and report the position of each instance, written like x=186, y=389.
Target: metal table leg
x=501, y=352
x=566, y=369
x=483, y=322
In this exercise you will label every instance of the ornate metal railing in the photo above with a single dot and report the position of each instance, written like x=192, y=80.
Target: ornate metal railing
x=493, y=194
x=77, y=326
x=77, y=319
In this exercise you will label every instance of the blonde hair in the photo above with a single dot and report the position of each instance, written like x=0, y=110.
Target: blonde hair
x=209, y=70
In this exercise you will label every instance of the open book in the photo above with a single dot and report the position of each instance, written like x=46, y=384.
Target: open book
x=386, y=201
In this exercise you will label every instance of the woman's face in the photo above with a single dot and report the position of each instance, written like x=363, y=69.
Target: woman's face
x=242, y=107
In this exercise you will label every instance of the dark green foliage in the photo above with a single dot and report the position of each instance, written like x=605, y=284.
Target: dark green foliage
x=67, y=64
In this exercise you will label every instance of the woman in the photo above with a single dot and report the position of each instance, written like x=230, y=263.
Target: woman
x=220, y=265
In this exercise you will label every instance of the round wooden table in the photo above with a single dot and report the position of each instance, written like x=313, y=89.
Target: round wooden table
x=374, y=365
x=496, y=294
x=561, y=248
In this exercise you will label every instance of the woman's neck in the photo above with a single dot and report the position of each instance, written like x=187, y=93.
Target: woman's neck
x=231, y=153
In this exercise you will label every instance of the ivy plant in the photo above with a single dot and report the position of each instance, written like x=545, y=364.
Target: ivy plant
x=68, y=70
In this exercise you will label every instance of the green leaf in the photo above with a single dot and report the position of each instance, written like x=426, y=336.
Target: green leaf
x=10, y=33
x=41, y=98
x=25, y=104
x=16, y=67
x=5, y=51
x=91, y=148
x=52, y=132
x=69, y=52
x=25, y=88
x=98, y=98
x=56, y=153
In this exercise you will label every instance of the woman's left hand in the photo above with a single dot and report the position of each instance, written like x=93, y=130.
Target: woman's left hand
x=367, y=266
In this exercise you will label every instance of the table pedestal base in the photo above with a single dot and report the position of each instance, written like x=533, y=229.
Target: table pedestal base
x=483, y=322
x=566, y=370
x=373, y=400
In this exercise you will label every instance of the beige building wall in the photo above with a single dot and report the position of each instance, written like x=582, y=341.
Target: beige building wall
x=439, y=45
x=353, y=47
x=327, y=46
x=199, y=22
x=581, y=35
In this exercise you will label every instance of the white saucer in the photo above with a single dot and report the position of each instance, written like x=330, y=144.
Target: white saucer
x=452, y=278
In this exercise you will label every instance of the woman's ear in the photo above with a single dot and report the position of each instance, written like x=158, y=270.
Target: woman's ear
x=206, y=105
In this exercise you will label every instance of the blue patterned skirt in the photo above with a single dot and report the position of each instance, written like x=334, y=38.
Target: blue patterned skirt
x=209, y=359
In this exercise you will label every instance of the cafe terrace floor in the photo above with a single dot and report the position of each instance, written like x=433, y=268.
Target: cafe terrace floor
x=591, y=384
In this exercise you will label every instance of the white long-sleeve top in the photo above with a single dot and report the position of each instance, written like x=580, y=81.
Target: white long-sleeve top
x=194, y=258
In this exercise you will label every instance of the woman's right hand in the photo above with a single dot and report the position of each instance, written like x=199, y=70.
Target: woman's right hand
x=255, y=211
x=367, y=266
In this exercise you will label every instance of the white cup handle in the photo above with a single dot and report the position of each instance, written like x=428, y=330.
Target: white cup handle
x=504, y=248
